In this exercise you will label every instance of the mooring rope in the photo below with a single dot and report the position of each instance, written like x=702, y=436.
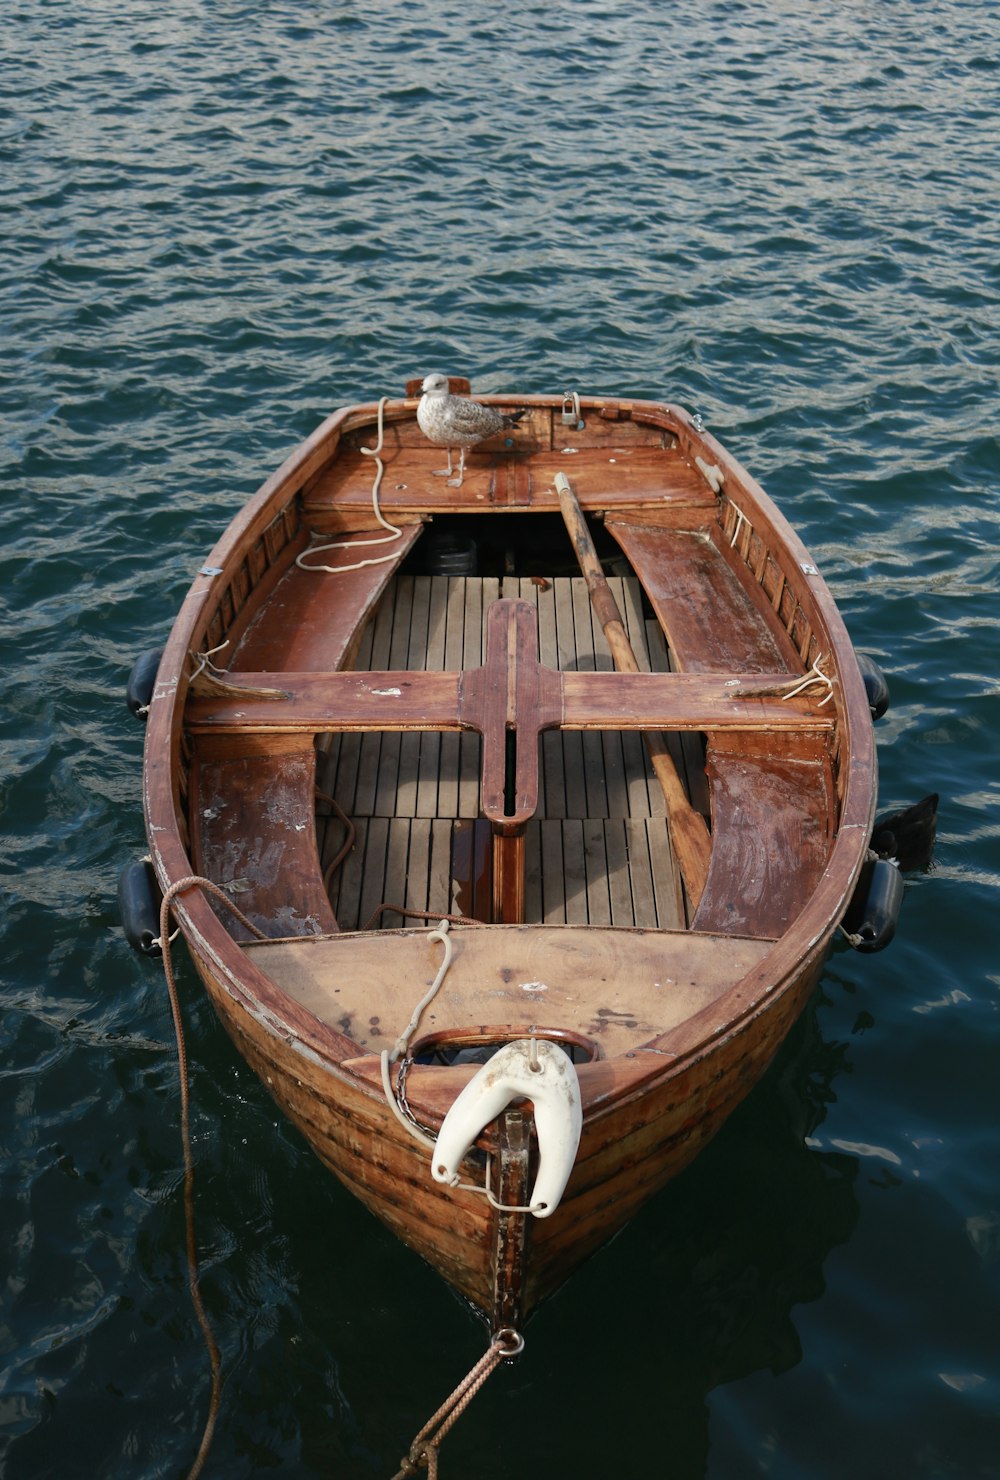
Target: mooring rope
x=384, y=539
x=424, y=1452
x=398, y=909
x=194, y=1283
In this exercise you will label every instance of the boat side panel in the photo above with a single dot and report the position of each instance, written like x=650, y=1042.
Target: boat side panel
x=628, y=1151
x=643, y=1142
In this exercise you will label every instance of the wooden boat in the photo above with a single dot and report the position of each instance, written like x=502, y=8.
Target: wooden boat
x=614, y=728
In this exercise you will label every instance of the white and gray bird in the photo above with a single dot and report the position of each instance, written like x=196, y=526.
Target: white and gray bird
x=457, y=421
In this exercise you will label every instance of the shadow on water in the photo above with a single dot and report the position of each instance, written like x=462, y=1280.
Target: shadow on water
x=338, y=1344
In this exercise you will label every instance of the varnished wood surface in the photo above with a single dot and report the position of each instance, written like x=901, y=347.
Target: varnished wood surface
x=763, y=610
x=597, y=848
x=396, y=700
x=701, y=606
x=254, y=834
x=620, y=988
x=604, y=478
x=301, y=629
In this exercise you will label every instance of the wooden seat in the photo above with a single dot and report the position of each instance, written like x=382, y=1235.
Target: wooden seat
x=769, y=843
x=253, y=819
x=306, y=632
x=254, y=834
x=769, y=840
x=497, y=479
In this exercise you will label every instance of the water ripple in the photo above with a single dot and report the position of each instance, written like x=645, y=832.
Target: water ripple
x=226, y=220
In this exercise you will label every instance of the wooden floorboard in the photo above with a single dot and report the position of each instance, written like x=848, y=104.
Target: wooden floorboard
x=598, y=850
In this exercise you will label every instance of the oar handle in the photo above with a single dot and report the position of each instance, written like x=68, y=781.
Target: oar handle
x=688, y=832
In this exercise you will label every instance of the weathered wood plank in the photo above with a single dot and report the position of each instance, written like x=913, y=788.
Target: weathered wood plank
x=416, y=659
x=347, y=883
x=449, y=755
x=587, y=662
x=429, y=765
x=397, y=700
x=518, y=974
x=767, y=812
x=553, y=886
x=666, y=878
x=373, y=889
x=595, y=862
x=253, y=833
x=476, y=602
x=418, y=863
x=304, y=629
x=640, y=473
x=640, y=875
x=701, y=605
x=399, y=647
x=533, y=902
x=371, y=746
x=619, y=883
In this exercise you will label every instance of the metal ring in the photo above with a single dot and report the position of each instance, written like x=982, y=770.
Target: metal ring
x=512, y=1341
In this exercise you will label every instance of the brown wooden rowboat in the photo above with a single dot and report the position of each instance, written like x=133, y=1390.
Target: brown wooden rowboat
x=476, y=706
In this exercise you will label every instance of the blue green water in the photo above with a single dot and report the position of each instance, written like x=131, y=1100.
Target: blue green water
x=221, y=221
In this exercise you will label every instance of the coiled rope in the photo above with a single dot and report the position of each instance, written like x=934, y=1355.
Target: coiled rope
x=386, y=539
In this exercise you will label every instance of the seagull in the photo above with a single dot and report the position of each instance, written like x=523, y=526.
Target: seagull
x=456, y=421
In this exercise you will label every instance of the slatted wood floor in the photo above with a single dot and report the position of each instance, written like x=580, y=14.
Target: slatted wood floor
x=597, y=851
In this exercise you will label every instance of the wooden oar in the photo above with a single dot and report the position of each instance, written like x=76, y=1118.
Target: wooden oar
x=688, y=831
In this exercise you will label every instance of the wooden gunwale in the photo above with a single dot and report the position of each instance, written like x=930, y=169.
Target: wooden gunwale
x=274, y=1029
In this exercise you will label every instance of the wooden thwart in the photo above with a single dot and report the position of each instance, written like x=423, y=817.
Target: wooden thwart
x=399, y=700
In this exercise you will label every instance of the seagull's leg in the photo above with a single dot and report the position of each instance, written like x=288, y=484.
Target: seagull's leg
x=444, y=472
x=457, y=482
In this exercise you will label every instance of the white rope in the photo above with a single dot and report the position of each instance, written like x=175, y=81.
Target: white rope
x=441, y=934
x=388, y=539
x=204, y=660
x=402, y=1042
x=815, y=675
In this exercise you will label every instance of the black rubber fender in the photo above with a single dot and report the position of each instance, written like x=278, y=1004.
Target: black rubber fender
x=139, y=900
x=872, y=915
x=876, y=685
x=142, y=681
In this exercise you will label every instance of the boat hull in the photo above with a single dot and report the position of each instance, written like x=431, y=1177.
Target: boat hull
x=673, y=1019
x=629, y=1149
